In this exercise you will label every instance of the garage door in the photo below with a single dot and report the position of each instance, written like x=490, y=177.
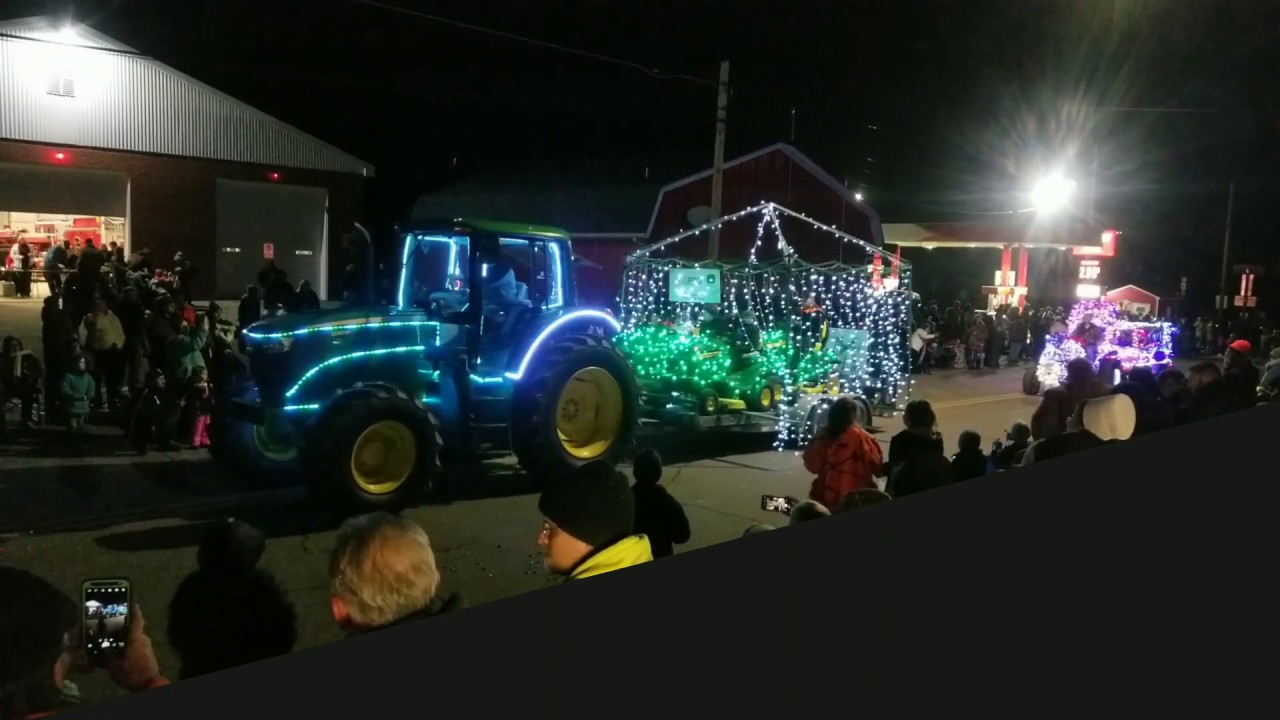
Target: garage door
x=62, y=191
x=254, y=219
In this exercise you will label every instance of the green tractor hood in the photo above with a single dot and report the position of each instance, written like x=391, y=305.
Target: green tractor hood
x=293, y=323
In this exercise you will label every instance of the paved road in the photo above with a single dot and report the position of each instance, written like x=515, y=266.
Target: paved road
x=142, y=518
x=109, y=513
x=44, y=490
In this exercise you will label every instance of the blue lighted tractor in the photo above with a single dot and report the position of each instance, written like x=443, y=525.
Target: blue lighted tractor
x=483, y=351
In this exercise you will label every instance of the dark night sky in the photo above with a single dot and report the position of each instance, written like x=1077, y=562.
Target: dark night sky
x=940, y=109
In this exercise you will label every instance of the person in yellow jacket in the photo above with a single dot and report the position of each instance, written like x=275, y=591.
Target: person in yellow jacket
x=588, y=523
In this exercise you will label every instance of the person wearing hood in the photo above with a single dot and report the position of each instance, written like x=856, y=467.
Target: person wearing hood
x=19, y=378
x=77, y=390
x=1096, y=422
x=306, y=298
x=588, y=520
x=359, y=246
x=383, y=573
x=254, y=618
x=1060, y=402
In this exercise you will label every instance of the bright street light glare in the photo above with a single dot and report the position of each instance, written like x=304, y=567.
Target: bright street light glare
x=857, y=196
x=1052, y=193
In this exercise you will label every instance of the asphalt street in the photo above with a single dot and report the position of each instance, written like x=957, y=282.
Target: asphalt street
x=109, y=513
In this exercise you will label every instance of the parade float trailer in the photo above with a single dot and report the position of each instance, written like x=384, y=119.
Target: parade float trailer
x=767, y=342
x=1114, y=346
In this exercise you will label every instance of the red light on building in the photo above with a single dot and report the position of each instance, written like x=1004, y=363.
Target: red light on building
x=59, y=156
x=273, y=176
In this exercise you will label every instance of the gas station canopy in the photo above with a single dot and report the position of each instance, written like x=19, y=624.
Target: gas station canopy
x=1062, y=236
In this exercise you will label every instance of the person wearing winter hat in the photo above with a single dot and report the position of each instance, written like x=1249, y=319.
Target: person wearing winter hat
x=1096, y=422
x=229, y=612
x=588, y=523
x=1239, y=375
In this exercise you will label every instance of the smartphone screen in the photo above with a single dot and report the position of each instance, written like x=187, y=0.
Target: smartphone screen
x=105, y=605
x=775, y=503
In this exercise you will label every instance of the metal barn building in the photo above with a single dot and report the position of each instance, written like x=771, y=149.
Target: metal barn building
x=99, y=140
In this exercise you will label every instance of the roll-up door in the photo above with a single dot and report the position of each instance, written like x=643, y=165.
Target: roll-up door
x=60, y=190
x=256, y=219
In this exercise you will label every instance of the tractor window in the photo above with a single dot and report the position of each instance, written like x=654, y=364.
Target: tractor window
x=435, y=274
x=539, y=267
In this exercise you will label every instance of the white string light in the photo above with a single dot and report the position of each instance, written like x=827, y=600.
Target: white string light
x=846, y=295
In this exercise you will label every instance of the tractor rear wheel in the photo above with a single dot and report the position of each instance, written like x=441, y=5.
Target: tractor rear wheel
x=578, y=405
x=373, y=450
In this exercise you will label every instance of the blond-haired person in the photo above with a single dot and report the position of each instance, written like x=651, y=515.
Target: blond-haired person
x=383, y=573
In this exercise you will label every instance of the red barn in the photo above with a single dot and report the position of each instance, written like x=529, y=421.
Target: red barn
x=602, y=240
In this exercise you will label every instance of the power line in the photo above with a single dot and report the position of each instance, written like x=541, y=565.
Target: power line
x=652, y=72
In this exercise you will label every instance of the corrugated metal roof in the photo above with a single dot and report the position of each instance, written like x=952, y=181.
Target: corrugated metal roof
x=48, y=30
x=91, y=91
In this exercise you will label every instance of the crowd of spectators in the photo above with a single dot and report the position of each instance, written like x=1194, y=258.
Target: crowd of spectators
x=124, y=346
x=382, y=573
x=1082, y=413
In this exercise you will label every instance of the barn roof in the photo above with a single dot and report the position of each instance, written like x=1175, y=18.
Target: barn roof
x=71, y=85
x=591, y=201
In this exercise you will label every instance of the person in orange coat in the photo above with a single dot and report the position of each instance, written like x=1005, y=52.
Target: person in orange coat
x=843, y=457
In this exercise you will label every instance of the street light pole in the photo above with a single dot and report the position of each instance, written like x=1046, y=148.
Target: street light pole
x=1226, y=250
x=717, y=173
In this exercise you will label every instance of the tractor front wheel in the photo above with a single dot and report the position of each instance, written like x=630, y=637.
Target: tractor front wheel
x=373, y=450
x=577, y=406
x=257, y=455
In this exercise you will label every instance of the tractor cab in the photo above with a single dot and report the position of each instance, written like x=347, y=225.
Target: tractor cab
x=485, y=283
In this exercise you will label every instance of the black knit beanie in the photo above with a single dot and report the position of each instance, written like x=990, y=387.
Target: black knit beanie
x=231, y=548
x=593, y=503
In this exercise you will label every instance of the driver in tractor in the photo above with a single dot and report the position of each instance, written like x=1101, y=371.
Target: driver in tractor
x=501, y=291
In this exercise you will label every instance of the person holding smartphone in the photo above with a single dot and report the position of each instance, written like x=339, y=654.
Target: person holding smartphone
x=43, y=646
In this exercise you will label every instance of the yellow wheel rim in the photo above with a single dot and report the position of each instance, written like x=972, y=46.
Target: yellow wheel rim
x=274, y=442
x=383, y=457
x=589, y=413
x=766, y=397
x=710, y=404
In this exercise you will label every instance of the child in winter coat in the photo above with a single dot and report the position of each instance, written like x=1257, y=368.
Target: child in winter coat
x=185, y=350
x=77, y=390
x=200, y=406
x=155, y=416
x=970, y=462
x=658, y=515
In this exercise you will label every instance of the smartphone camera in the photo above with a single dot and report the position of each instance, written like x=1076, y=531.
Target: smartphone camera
x=776, y=503
x=106, y=618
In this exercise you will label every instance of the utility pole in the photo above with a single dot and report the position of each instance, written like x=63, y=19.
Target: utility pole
x=1093, y=190
x=1226, y=251
x=793, y=126
x=717, y=174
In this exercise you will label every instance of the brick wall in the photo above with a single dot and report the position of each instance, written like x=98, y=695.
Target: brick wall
x=172, y=201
